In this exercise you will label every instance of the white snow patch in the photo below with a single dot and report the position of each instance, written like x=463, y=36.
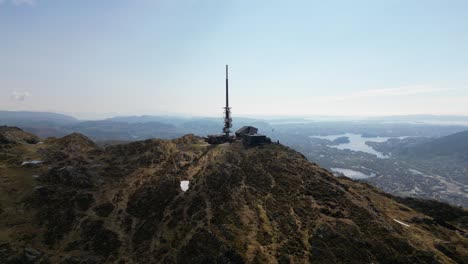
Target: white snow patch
x=415, y=172
x=353, y=174
x=31, y=162
x=40, y=142
x=184, y=185
x=401, y=223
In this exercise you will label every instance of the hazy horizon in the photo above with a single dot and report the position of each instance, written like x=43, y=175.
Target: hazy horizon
x=97, y=59
x=458, y=120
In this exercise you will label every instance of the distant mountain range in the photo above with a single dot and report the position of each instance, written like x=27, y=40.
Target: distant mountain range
x=25, y=118
x=423, y=119
x=131, y=128
x=455, y=145
x=127, y=128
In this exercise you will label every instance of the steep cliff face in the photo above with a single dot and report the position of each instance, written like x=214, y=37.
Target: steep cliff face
x=244, y=205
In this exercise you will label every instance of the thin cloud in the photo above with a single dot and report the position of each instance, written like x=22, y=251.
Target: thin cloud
x=20, y=96
x=24, y=2
x=406, y=90
x=400, y=91
x=19, y=2
x=414, y=99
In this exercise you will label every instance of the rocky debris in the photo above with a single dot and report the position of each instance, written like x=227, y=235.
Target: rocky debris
x=205, y=247
x=83, y=200
x=441, y=212
x=350, y=241
x=31, y=255
x=451, y=252
x=5, y=251
x=98, y=239
x=14, y=135
x=55, y=211
x=28, y=255
x=152, y=199
x=104, y=209
x=80, y=260
x=149, y=203
x=69, y=176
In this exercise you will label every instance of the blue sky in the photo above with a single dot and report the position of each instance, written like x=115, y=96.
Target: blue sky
x=96, y=58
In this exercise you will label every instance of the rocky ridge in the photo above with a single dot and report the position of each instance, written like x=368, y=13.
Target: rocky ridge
x=124, y=204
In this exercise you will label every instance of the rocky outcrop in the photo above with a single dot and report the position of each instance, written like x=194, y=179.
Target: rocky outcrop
x=72, y=149
x=70, y=176
x=14, y=135
x=98, y=239
x=73, y=143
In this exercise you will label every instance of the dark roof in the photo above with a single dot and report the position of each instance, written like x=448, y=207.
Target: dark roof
x=247, y=130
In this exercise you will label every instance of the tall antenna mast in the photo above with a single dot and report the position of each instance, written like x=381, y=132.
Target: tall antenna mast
x=227, y=109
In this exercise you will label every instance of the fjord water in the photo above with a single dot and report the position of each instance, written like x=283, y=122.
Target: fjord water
x=357, y=143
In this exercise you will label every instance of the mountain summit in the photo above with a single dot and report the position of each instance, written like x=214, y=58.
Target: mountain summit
x=124, y=204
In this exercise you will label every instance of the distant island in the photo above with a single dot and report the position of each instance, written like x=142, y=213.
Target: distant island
x=341, y=140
